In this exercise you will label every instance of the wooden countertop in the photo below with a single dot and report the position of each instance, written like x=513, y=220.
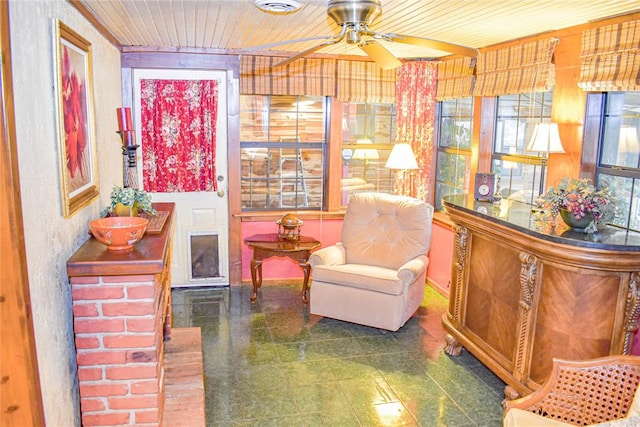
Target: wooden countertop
x=147, y=256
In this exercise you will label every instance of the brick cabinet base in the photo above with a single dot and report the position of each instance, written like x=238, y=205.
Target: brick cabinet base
x=119, y=335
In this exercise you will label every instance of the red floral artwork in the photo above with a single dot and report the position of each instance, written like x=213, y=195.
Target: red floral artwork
x=179, y=135
x=74, y=107
x=415, y=115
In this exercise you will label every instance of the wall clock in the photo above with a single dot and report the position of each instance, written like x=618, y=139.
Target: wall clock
x=485, y=183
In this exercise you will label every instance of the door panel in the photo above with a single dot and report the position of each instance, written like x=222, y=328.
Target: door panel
x=201, y=240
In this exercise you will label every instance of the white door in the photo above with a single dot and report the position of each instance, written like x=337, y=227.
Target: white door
x=201, y=241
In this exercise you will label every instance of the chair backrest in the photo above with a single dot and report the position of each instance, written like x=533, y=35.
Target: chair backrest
x=592, y=391
x=386, y=230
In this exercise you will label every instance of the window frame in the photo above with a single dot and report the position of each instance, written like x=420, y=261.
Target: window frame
x=598, y=103
x=522, y=160
x=270, y=144
x=453, y=150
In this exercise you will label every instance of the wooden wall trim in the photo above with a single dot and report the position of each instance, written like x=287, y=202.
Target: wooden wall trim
x=21, y=403
x=97, y=24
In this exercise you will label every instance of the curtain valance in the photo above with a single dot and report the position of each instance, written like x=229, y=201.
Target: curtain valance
x=610, y=58
x=362, y=81
x=456, y=78
x=306, y=76
x=522, y=68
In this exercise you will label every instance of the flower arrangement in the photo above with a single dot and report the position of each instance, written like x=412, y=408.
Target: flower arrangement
x=580, y=199
x=129, y=197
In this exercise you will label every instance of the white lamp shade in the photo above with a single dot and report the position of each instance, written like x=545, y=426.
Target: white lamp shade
x=365, y=153
x=545, y=139
x=628, y=141
x=401, y=157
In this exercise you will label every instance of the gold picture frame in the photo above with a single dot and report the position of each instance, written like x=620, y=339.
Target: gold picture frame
x=76, y=131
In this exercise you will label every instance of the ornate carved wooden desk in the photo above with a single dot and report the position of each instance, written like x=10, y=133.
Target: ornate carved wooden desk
x=523, y=292
x=268, y=245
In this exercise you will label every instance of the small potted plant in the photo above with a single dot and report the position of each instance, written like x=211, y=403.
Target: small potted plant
x=128, y=202
x=580, y=204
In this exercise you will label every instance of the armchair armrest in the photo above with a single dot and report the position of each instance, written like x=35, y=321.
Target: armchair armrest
x=412, y=269
x=331, y=255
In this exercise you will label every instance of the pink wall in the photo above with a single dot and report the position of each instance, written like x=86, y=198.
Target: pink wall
x=326, y=231
x=441, y=257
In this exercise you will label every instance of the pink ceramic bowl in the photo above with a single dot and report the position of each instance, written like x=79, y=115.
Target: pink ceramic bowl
x=119, y=233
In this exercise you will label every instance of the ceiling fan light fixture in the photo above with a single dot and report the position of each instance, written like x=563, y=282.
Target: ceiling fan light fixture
x=278, y=6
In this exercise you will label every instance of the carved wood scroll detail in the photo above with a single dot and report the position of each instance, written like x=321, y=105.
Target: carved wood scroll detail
x=632, y=311
x=528, y=271
x=461, y=255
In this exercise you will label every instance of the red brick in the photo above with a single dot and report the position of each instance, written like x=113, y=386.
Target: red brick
x=141, y=325
x=128, y=279
x=129, y=341
x=108, y=419
x=101, y=358
x=145, y=387
x=141, y=291
x=87, y=342
x=97, y=293
x=77, y=280
x=137, y=402
x=89, y=374
x=138, y=356
x=131, y=372
x=85, y=310
x=98, y=325
x=104, y=389
x=91, y=405
x=142, y=417
x=129, y=308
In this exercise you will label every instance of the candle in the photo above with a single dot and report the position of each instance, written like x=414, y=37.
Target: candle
x=124, y=119
x=128, y=138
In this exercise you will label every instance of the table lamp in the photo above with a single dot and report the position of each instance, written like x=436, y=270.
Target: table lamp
x=545, y=140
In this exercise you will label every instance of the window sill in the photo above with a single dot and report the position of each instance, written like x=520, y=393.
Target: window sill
x=274, y=216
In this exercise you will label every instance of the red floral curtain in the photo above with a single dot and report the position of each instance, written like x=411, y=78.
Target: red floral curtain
x=415, y=116
x=179, y=135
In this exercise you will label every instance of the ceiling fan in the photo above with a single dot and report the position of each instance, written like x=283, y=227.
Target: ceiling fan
x=355, y=16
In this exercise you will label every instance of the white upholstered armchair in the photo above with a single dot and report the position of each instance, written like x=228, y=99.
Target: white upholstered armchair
x=376, y=275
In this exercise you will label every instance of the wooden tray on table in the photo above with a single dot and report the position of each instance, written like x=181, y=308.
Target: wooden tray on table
x=155, y=222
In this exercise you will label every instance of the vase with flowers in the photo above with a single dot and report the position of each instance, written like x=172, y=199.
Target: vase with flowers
x=128, y=201
x=580, y=204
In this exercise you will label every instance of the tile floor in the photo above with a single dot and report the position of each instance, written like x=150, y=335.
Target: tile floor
x=272, y=363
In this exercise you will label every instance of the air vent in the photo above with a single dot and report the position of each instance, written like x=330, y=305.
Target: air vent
x=278, y=6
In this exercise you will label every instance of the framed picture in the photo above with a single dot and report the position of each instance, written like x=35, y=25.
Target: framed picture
x=76, y=133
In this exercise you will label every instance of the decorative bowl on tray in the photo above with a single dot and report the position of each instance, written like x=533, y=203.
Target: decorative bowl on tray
x=119, y=233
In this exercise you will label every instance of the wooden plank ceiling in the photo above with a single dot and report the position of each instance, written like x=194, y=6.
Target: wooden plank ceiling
x=238, y=24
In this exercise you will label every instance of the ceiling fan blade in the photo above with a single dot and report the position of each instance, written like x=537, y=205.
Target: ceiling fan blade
x=428, y=43
x=311, y=50
x=285, y=42
x=380, y=55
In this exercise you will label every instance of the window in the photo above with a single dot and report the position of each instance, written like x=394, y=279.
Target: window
x=455, y=119
x=619, y=156
x=521, y=173
x=283, y=144
x=368, y=132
